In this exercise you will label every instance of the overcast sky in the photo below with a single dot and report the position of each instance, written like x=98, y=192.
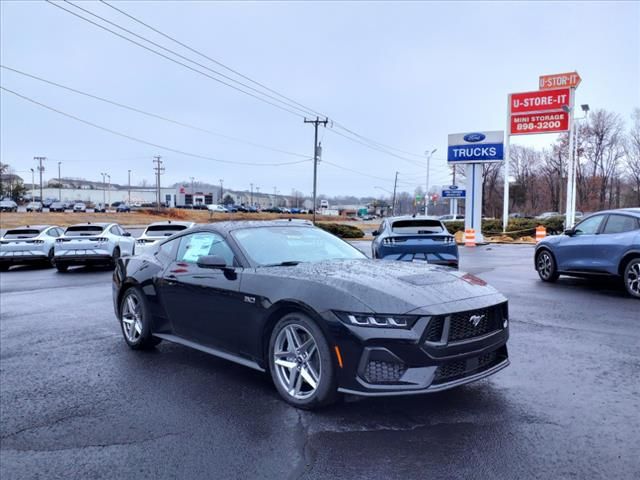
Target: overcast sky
x=402, y=74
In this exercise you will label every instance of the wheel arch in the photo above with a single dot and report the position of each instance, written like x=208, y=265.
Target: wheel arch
x=539, y=250
x=279, y=310
x=626, y=259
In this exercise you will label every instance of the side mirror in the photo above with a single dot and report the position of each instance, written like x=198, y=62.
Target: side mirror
x=375, y=233
x=570, y=232
x=212, y=261
x=126, y=234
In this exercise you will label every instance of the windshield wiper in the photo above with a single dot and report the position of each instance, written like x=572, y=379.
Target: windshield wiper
x=288, y=263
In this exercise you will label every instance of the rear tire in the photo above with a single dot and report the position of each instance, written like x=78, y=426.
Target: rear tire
x=135, y=320
x=632, y=277
x=546, y=266
x=305, y=358
x=50, y=258
x=61, y=267
x=4, y=267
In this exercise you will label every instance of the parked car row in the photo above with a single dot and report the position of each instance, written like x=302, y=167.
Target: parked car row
x=81, y=244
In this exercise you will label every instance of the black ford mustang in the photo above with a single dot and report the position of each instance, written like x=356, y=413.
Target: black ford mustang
x=290, y=299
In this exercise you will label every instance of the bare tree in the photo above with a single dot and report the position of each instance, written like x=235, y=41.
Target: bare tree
x=604, y=148
x=632, y=151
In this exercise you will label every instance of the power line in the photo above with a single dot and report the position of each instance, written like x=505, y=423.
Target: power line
x=366, y=141
x=145, y=142
x=152, y=115
x=217, y=62
x=173, y=60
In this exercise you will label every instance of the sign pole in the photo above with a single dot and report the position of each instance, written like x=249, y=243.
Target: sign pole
x=571, y=181
x=507, y=141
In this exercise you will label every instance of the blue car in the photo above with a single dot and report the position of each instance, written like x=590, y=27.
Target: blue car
x=415, y=238
x=604, y=243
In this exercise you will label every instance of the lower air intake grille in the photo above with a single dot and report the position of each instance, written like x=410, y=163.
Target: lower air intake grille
x=383, y=372
x=464, y=368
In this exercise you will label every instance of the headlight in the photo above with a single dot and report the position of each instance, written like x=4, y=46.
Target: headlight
x=377, y=320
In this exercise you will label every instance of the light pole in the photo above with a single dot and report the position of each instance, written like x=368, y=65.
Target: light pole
x=104, y=185
x=59, y=183
x=129, y=187
x=33, y=182
x=221, y=190
x=251, y=198
x=426, y=192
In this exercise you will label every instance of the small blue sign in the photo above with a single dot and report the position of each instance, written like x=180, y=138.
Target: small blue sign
x=482, y=152
x=454, y=193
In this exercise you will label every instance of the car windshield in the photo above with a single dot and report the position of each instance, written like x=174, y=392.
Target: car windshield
x=84, y=230
x=22, y=233
x=164, y=230
x=292, y=244
x=417, y=227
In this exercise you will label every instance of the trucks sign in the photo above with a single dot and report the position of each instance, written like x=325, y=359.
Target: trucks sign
x=476, y=147
x=539, y=101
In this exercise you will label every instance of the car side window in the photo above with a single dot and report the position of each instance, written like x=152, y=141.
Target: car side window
x=53, y=233
x=196, y=245
x=589, y=226
x=620, y=224
x=167, y=251
x=115, y=230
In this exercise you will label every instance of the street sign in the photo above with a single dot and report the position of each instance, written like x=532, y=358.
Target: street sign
x=454, y=193
x=476, y=147
x=539, y=101
x=528, y=123
x=559, y=80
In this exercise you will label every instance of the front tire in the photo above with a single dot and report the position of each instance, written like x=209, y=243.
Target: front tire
x=301, y=364
x=632, y=277
x=546, y=266
x=135, y=320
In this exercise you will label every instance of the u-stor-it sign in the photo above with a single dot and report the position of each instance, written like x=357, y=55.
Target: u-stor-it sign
x=476, y=147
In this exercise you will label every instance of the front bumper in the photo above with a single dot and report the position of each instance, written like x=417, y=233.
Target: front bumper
x=387, y=361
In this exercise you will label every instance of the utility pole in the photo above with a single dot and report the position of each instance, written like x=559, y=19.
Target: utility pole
x=104, y=184
x=33, y=183
x=251, y=202
x=221, y=190
x=316, y=151
x=159, y=171
x=40, y=170
x=59, y=183
x=275, y=199
x=129, y=187
x=426, y=192
x=393, y=203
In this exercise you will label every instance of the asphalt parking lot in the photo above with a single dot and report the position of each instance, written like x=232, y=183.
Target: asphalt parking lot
x=77, y=403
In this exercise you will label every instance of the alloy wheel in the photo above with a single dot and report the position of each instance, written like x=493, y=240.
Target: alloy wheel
x=633, y=279
x=297, y=361
x=545, y=265
x=132, y=318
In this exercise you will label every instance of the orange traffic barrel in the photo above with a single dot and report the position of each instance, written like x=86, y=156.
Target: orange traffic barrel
x=541, y=232
x=470, y=237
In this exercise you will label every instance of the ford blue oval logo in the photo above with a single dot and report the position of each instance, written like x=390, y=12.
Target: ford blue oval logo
x=474, y=137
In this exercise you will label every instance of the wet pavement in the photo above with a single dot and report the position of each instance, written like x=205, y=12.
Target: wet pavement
x=75, y=402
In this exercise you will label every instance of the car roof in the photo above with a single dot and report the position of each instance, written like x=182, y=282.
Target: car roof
x=33, y=227
x=228, y=226
x=170, y=222
x=92, y=224
x=634, y=211
x=411, y=217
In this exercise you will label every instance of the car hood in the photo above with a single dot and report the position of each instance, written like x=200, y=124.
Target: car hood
x=394, y=286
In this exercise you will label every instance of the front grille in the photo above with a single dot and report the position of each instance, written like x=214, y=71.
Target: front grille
x=466, y=325
x=464, y=368
x=383, y=372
